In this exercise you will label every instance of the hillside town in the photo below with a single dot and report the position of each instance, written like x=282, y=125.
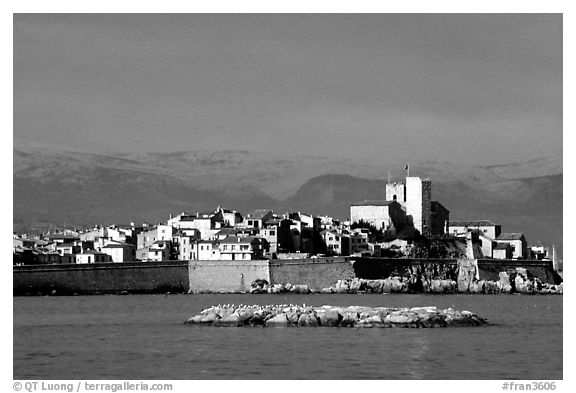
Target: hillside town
x=406, y=224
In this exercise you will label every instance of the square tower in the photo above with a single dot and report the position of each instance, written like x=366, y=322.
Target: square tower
x=418, y=203
x=396, y=192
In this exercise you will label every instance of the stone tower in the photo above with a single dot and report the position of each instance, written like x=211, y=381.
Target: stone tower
x=396, y=192
x=418, y=203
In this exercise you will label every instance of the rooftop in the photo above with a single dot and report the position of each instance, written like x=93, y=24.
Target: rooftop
x=118, y=245
x=239, y=240
x=501, y=246
x=258, y=214
x=227, y=231
x=510, y=236
x=374, y=203
x=473, y=223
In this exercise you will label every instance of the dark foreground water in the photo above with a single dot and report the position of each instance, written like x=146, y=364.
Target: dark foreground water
x=143, y=337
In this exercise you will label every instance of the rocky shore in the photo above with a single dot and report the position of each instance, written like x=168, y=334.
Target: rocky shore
x=333, y=316
x=518, y=281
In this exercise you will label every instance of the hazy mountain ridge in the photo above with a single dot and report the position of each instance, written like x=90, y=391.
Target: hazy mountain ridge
x=82, y=187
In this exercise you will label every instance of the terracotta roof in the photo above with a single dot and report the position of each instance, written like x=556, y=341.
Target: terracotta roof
x=510, y=236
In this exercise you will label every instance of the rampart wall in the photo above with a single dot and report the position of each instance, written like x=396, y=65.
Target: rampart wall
x=226, y=276
x=133, y=277
x=317, y=273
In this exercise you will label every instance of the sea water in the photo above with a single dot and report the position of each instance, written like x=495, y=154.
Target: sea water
x=143, y=337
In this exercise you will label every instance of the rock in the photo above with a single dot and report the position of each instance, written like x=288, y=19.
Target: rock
x=349, y=319
x=256, y=320
x=373, y=319
x=522, y=272
x=329, y=318
x=195, y=319
x=520, y=285
x=432, y=320
x=504, y=280
x=401, y=318
x=244, y=315
x=210, y=317
x=308, y=320
x=278, y=320
x=293, y=317
x=354, y=286
x=393, y=285
x=228, y=320
x=436, y=286
x=474, y=287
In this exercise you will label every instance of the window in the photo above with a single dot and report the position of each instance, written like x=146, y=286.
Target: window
x=272, y=233
x=225, y=247
x=233, y=247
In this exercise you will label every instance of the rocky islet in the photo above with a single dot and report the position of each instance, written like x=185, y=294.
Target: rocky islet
x=334, y=316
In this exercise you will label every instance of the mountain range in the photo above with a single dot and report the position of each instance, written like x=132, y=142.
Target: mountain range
x=56, y=185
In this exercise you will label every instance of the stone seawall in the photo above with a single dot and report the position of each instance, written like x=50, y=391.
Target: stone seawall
x=102, y=278
x=330, y=275
x=226, y=276
x=316, y=273
x=381, y=275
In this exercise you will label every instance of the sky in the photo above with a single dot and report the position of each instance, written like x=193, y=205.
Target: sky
x=475, y=88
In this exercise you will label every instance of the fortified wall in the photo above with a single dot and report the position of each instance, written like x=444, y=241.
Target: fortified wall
x=317, y=273
x=463, y=271
x=237, y=276
x=226, y=276
x=133, y=277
